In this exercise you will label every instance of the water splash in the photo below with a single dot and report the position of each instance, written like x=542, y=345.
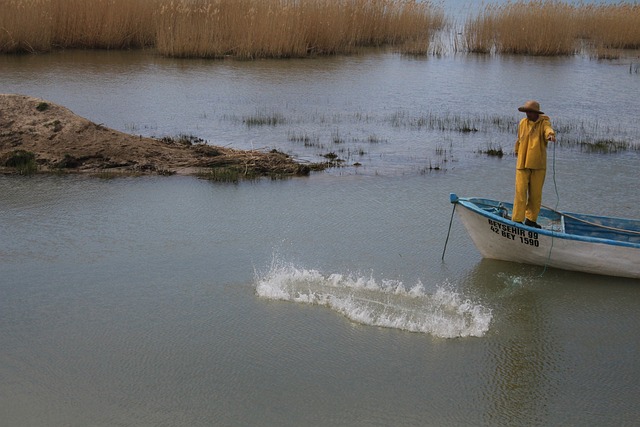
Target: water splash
x=387, y=303
x=514, y=284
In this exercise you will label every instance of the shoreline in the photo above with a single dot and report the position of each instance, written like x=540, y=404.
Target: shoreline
x=38, y=136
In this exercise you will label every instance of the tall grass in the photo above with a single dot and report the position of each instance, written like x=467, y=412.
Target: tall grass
x=610, y=26
x=103, y=24
x=479, y=34
x=547, y=27
x=41, y=25
x=527, y=28
x=25, y=25
x=215, y=28
x=288, y=28
x=294, y=28
x=244, y=28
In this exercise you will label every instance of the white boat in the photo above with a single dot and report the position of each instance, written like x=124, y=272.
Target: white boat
x=570, y=241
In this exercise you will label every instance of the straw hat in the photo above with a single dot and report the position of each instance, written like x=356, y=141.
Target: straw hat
x=531, y=106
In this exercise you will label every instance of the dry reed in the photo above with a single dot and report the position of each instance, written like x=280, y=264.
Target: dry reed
x=610, y=26
x=294, y=28
x=288, y=28
x=479, y=34
x=41, y=25
x=552, y=28
x=215, y=28
x=103, y=24
x=243, y=28
x=527, y=28
x=25, y=25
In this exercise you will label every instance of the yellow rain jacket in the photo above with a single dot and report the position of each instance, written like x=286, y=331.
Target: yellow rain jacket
x=531, y=145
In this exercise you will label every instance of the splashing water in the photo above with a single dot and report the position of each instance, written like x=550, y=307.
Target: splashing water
x=388, y=303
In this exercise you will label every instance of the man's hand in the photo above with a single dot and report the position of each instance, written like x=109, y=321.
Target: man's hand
x=552, y=138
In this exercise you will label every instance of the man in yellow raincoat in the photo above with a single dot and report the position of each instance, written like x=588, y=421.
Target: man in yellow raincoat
x=531, y=148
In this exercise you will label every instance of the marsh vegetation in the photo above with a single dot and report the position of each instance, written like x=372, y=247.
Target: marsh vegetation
x=341, y=144
x=23, y=161
x=358, y=134
x=351, y=140
x=290, y=28
x=217, y=28
x=553, y=28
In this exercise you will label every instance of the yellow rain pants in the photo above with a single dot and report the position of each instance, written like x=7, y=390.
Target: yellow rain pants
x=531, y=167
x=528, y=197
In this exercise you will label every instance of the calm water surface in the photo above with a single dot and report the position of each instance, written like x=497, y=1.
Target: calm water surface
x=323, y=300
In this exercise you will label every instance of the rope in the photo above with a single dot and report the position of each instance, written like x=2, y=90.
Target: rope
x=448, y=232
x=555, y=186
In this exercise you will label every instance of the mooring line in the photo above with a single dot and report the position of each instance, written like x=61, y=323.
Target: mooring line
x=449, y=231
x=555, y=186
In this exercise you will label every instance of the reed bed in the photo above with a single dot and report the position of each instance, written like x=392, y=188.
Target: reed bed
x=297, y=28
x=526, y=28
x=610, y=26
x=103, y=24
x=25, y=26
x=479, y=34
x=552, y=28
x=216, y=28
x=289, y=28
x=42, y=25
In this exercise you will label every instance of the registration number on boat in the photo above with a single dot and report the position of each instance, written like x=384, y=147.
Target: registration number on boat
x=515, y=233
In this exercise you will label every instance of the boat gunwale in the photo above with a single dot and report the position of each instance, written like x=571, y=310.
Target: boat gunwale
x=471, y=203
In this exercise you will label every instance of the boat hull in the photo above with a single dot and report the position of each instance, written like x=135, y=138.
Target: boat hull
x=499, y=238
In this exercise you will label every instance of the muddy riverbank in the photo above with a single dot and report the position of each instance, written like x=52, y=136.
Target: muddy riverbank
x=39, y=136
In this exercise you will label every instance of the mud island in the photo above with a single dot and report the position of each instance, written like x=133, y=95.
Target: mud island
x=40, y=136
